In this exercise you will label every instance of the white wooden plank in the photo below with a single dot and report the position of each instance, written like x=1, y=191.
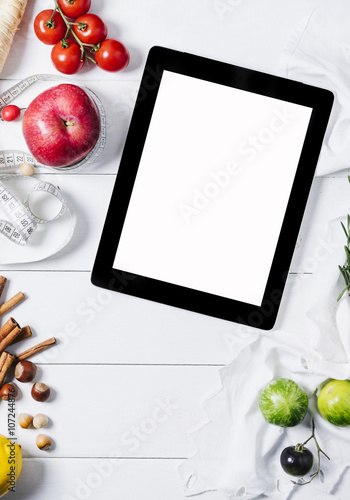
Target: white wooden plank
x=93, y=325
x=120, y=411
x=125, y=329
x=101, y=478
x=128, y=330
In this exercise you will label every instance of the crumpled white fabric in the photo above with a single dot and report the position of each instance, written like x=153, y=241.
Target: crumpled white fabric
x=237, y=451
x=318, y=53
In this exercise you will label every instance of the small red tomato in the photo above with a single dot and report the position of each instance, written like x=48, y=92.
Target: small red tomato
x=74, y=8
x=112, y=55
x=10, y=113
x=67, y=57
x=90, y=29
x=49, y=27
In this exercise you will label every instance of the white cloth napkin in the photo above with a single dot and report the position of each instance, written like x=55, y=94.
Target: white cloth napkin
x=318, y=53
x=237, y=451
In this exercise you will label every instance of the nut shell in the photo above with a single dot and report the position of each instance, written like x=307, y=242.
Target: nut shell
x=40, y=420
x=43, y=442
x=25, y=420
x=25, y=371
x=40, y=392
x=7, y=391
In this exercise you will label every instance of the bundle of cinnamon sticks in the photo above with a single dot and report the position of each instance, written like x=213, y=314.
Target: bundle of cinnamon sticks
x=11, y=333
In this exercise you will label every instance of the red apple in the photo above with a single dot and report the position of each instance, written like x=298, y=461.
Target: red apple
x=61, y=125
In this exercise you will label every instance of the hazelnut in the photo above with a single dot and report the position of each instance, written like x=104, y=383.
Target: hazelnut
x=25, y=420
x=40, y=392
x=27, y=168
x=7, y=391
x=25, y=371
x=40, y=420
x=43, y=442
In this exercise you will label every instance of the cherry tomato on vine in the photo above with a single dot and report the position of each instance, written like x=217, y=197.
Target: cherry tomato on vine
x=112, y=55
x=74, y=8
x=67, y=58
x=10, y=113
x=90, y=29
x=49, y=28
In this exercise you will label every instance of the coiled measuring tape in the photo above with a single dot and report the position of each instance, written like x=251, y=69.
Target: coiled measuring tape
x=22, y=221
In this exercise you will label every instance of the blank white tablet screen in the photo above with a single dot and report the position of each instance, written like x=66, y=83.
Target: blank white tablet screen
x=212, y=188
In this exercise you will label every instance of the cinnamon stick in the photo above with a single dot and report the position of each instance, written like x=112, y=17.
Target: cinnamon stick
x=9, y=338
x=9, y=304
x=25, y=333
x=2, y=284
x=10, y=324
x=7, y=328
x=2, y=360
x=35, y=349
x=6, y=361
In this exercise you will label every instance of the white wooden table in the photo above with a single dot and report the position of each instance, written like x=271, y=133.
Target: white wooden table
x=128, y=376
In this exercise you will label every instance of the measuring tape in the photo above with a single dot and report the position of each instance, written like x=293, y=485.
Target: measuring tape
x=23, y=221
x=22, y=224
x=12, y=159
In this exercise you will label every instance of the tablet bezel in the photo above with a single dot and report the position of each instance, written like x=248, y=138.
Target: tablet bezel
x=160, y=59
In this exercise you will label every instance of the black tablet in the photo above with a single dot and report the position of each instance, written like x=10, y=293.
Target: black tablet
x=212, y=187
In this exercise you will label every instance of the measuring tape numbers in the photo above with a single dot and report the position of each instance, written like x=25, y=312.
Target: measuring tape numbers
x=10, y=160
x=22, y=223
x=23, y=220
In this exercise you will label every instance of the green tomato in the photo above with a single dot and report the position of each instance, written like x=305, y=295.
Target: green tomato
x=282, y=402
x=334, y=402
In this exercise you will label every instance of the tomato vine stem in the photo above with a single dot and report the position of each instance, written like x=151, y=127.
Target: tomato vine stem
x=51, y=23
x=319, y=451
x=70, y=30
